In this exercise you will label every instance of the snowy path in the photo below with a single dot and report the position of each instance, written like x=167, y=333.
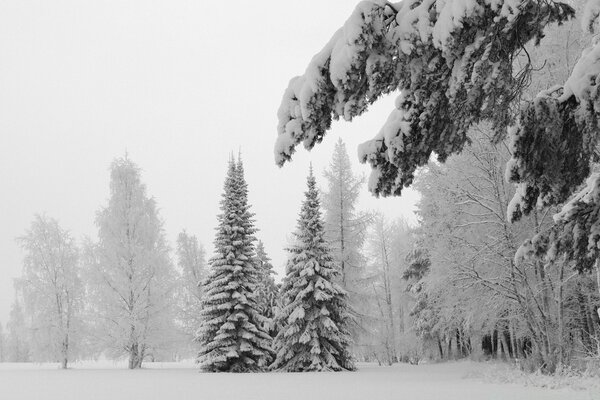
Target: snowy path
x=181, y=382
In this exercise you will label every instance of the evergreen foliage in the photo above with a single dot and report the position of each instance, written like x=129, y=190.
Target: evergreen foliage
x=231, y=335
x=451, y=60
x=266, y=289
x=313, y=332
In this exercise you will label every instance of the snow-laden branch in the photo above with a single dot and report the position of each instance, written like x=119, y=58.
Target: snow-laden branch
x=450, y=59
x=555, y=136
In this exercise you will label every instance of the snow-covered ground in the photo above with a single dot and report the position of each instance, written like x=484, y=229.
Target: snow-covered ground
x=110, y=381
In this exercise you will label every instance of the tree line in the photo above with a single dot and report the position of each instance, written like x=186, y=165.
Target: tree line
x=122, y=295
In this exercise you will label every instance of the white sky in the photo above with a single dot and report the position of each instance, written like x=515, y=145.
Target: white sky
x=179, y=85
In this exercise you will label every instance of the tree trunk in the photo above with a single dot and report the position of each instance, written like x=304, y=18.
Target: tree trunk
x=388, y=296
x=499, y=352
x=65, y=352
x=513, y=339
x=505, y=347
x=598, y=309
x=134, y=356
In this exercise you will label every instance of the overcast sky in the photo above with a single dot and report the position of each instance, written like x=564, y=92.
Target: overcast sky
x=176, y=84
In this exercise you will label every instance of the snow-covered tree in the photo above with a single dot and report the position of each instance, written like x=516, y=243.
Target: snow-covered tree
x=345, y=227
x=314, y=315
x=52, y=289
x=345, y=231
x=477, y=290
x=266, y=289
x=191, y=259
x=232, y=334
x=388, y=243
x=131, y=278
x=17, y=336
x=451, y=60
x=381, y=281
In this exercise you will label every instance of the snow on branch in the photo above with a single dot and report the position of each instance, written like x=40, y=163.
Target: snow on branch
x=555, y=137
x=553, y=145
x=591, y=12
x=450, y=59
x=575, y=236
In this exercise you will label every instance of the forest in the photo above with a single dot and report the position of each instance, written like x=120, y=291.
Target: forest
x=496, y=126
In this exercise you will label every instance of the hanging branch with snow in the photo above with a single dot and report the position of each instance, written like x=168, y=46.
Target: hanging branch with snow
x=553, y=145
x=451, y=60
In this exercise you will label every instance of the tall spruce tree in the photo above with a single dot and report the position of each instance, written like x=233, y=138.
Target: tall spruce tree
x=232, y=336
x=313, y=318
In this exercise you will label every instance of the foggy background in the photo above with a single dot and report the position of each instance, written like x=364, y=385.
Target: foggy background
x=178, y=85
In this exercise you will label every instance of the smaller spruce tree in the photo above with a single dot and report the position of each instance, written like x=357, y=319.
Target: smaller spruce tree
x=313, y=333
x=267, y=288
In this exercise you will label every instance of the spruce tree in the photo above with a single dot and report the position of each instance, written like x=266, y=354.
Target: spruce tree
x=231, y=333
x=313, y=318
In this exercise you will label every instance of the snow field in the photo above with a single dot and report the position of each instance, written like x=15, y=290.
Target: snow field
x=181, y=381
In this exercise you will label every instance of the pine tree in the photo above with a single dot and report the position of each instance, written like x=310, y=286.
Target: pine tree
x=231, y=335
x=313, y=318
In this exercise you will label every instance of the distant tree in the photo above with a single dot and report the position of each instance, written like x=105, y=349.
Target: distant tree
x=266, y=289
x=388, y=243
x=51, y=287
x=191, y=258
x=131, y=278
x=18, y=348
x=345, y=227
x=232, y=333
x=382, y=264
x=313, y=334
x=346, y=230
